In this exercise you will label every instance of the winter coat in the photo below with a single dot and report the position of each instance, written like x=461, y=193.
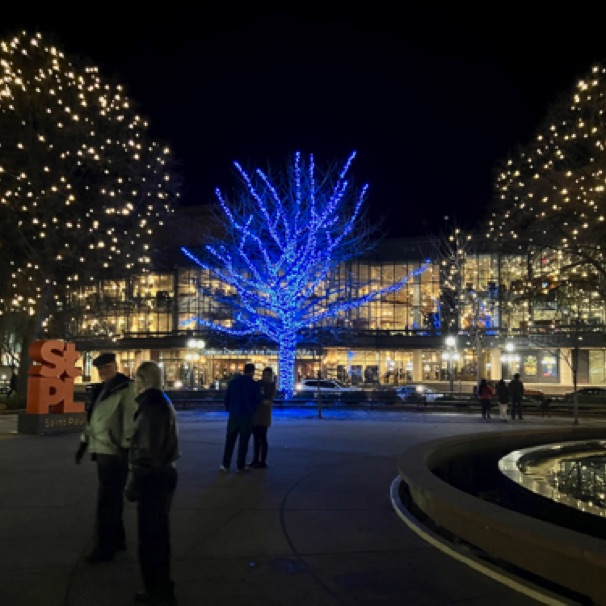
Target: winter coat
x=262, y=416
x=155, y=443
x=109, y=427
x=243, y=395
x=503, y=392
x=485, y=391
x=516, y=390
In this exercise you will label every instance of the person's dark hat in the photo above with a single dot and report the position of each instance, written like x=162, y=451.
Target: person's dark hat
x=103, y=359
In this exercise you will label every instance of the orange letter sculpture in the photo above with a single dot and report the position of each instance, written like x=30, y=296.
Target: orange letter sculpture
x=50, y=386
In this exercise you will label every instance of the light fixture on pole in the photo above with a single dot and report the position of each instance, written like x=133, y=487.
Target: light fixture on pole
x=450, y=355
x=510, y=358
x=474, y=300
x=196, y=345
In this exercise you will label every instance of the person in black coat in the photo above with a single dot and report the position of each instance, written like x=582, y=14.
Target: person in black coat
x=12, y=386
x=242, y=398
x=152, y=482
x=503, y=395
x=262, y=420
x=516, y=392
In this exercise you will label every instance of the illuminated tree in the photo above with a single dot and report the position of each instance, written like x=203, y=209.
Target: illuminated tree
x=467, y=296
x=551, y=204
x=551, y=196
x=82, y=186
x=451, y=250
x=280, y=248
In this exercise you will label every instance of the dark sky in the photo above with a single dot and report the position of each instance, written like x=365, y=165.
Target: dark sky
x=431, y=100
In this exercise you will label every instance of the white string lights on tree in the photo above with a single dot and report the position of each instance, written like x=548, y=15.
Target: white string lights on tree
x=82, y=185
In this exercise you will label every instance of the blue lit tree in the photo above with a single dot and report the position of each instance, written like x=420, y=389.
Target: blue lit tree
x=277, y=252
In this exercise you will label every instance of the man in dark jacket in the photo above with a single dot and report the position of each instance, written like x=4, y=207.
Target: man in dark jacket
x=516, y=391
x=242, y=398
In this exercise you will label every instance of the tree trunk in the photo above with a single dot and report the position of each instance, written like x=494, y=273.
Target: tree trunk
x=286, y=368
x=32, y=332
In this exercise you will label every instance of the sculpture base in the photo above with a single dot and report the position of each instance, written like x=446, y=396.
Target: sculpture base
x=50, y=424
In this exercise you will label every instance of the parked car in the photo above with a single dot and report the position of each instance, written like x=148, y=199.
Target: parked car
x=417, y=392
x=587, y=395
x=329, y=388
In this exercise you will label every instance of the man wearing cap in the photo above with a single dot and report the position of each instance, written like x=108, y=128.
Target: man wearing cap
x=107, y=436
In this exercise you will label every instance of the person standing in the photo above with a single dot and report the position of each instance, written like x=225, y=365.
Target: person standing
x=12, y=386
x=152, y=482
x=485, y=393
x=262, y=420
x=503, y=395
x=242, y=398
x=107, y=436
x=516, y=391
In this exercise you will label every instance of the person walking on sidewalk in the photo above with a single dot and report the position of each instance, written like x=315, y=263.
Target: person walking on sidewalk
x=503, y=395
x=152, y=482
x=107, y=435
x=516, y=391
x=262, y=420
x=485, y=393
x=242, y=398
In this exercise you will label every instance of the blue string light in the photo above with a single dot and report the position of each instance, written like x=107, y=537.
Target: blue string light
x=279, y=251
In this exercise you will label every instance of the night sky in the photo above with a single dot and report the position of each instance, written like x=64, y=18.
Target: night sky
x=431, y=100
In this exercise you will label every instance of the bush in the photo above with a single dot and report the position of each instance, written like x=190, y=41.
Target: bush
x=387, y=396
x=16, y=402
x=354, y=396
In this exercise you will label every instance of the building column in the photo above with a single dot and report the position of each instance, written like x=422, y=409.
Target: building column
x=566, y=367
x=496, y=367
x=417, y=365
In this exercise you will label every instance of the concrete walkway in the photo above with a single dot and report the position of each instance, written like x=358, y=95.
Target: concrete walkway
x=318, y=528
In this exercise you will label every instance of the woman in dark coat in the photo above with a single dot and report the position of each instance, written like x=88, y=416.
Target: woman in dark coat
x=262, y=420
x=152, y=482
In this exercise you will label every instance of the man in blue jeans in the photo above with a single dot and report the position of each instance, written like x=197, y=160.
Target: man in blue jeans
x=242, y=398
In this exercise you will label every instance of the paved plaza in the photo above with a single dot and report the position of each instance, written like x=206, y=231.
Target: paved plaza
x=318, y=528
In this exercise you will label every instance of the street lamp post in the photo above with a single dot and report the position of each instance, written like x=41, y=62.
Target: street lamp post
x=510, y=358
x=451, y=354
x=197, y=345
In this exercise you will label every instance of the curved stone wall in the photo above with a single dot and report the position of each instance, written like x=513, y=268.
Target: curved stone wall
x=442, y=477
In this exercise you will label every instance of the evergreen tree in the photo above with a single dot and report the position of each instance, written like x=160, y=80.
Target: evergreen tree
x=280, y=250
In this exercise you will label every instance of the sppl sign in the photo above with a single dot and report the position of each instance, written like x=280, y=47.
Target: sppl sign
x=50, y=390
x=50, y=386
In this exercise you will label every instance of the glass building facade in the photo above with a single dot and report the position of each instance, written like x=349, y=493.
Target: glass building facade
x=494, y=315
